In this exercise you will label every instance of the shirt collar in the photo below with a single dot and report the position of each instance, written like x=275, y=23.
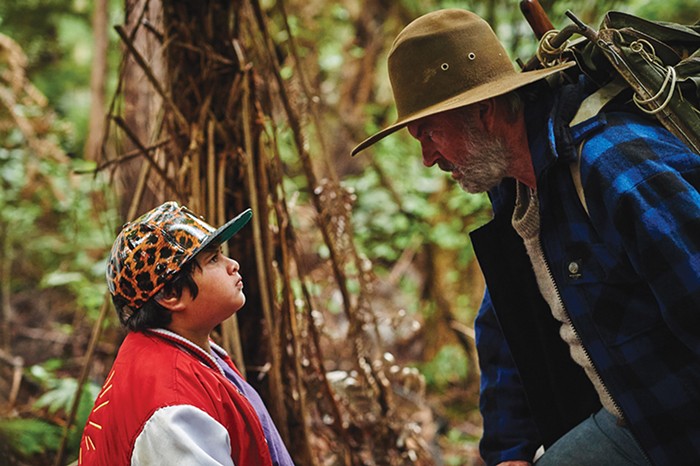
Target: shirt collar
x=547, y=122
x=549, y=135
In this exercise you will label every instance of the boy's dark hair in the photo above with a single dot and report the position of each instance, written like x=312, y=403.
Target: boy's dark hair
x=152, y=314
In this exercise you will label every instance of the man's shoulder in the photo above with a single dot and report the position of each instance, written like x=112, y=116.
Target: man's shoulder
x=629, y=141
x=622, y=129
x=634, y=158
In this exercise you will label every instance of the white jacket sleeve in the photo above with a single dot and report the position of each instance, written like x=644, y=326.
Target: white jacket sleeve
x=182, y=435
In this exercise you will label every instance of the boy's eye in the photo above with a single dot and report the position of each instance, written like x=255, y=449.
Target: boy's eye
x=216, y=256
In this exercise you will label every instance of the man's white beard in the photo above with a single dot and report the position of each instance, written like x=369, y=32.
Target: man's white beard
x=486, y=165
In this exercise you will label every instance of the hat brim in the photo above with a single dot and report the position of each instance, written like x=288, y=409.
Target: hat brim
x=225, y=232
x=473, y=95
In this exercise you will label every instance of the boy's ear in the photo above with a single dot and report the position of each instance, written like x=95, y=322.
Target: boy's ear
x=172, y=302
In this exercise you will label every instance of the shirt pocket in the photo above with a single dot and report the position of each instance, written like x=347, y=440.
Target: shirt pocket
x=620, y=304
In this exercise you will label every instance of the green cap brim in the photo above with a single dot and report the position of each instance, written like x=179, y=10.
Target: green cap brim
x=225, y=232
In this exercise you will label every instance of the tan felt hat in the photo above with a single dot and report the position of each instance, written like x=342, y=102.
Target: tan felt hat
x=449, y=59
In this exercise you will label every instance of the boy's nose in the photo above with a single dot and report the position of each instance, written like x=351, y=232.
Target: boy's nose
x=233, y=265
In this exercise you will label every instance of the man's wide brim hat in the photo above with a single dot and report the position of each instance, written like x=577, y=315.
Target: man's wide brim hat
x=449, y=59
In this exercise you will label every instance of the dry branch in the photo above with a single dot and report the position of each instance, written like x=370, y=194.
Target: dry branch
x=151, y=77
x=147, y=155
x=17, y=364
x=96, y=333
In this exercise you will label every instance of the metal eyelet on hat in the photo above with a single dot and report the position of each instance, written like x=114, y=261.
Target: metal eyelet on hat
x=471, y=55
x=445, y=67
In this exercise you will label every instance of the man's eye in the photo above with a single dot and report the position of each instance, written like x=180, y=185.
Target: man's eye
x=214, y=258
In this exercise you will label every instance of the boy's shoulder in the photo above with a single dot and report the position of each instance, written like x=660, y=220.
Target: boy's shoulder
x=159, y=351
x=151, y=371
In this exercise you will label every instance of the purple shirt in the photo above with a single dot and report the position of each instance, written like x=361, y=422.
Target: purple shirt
x=278, y=451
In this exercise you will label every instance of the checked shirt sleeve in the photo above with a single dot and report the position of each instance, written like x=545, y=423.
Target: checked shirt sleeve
x=509, y=431
x=642, y=185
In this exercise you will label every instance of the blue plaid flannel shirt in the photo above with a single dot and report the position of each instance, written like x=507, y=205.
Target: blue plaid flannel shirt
x=634, y=298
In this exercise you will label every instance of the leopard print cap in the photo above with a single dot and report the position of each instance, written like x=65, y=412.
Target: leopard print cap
x=149, y=251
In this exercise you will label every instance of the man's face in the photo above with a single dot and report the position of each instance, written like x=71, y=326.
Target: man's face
x=459, y=143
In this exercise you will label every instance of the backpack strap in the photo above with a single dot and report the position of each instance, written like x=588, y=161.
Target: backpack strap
x=594, y=103
x=590, y=107
x=575, y=168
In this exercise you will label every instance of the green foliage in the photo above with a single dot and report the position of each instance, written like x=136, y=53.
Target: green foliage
x=51, y=236
x=60, y=395
x=428, y=206
x=51, y=232
x=679, y=11
x=49, y=227
x=29, y=437
x=455, y=440
x=449, y=366
x=56, y=36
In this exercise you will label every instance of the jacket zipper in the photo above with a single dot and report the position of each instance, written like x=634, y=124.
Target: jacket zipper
x=550, y=275
x=570, y=322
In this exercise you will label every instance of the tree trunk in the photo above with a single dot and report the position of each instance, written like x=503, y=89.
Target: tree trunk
x=96, y=129
x=213, y=147
x=139, y=105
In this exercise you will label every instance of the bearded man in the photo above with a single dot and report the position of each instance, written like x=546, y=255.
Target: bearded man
x=589, y=331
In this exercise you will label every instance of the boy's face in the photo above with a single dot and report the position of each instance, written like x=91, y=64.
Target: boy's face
x=220, y=287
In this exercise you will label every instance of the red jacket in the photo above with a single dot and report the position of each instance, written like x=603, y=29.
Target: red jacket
x=158, y=370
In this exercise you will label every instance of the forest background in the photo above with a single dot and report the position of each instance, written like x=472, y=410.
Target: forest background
x=359, y=325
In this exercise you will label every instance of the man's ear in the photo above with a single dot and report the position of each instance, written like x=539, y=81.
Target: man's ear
x=171, y=302
x=487, y=113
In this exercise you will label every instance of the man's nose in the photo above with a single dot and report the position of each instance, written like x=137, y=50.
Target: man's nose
x=430, y=155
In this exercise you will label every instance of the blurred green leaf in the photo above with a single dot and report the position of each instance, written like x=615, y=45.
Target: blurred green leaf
x=449, y=365
x=29, y=437
x=58, y=398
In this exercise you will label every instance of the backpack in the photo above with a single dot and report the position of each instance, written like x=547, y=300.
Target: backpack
x=659, y=61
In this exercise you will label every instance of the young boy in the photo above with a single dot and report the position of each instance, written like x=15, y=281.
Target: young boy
x=173, y=396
